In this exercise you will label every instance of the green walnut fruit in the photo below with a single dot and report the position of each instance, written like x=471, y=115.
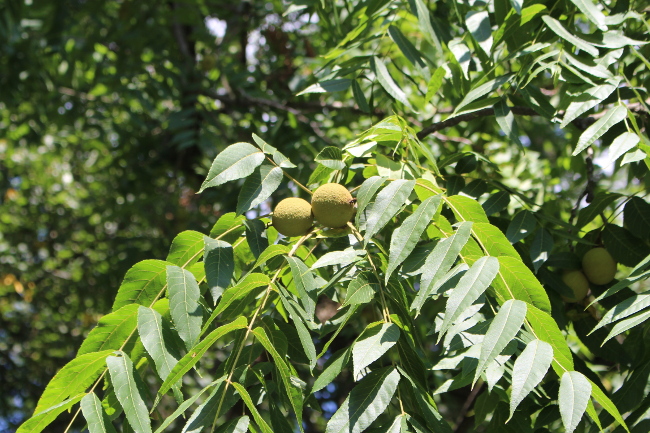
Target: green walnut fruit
x=577, y=281
x=599, y=266
x=292, y=217
x=332, y=204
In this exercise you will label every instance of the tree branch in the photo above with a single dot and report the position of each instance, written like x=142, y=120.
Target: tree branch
x=521, y=111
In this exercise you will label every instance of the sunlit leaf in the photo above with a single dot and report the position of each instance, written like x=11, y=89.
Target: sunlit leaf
x=387, y=204
x=365, y=402
x=258, y=187
x=75, y=377
x=529, y=370
x=234, y=162
x=194, y=355
x=112, y=331
x=186, y=249
x=129, y=393
x=373, y=342
x=601, y=126
x=470, y=287
x=502, y=330
x=575, y=391
x=406, y=236
x=184, y=306
x=387, y=82
x=98, y=421
x=142, y=283
x=159, y=340
x=439, y=261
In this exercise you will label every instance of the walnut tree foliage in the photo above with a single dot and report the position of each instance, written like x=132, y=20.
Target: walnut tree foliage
x=491, y=146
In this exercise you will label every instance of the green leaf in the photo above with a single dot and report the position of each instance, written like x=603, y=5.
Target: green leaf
x=186, y=249
x=359, y=97
x=185, y=405
x=373, y=342
x=516, y=281
x=341, y=258
x=508, y=124
x=128, y=392
x=544, y=328
x=480, y=91
x=387, y=82
x=142, y=284
x=234, y=162
x=228, y=227
x=219, y=265
x=607, y=404
x=586, y=101
x=424, y=20
x=517, y=6
x=626, y=324
x=521, y=226
x=388, y=203
x=639, y=272
x=186, y=312
x=303, y=333
x=601, y=202
x=193, y=356
x=93, y=412
x=40, y=421
x=435, y=82
x=601, y=126
x=366, y=193
x=238, y=292
x=410, y=52
x=529, y=370
x=502, y=330
x=470, y=287
x=237, y=425
x=158, y=338
x=331, y=157
x=478, y=24
x=636, y=215
x=270, y=252
x=258, y=187
x=636, y=156
x=333, y=368
x=327, y=86
x=629, y=306
x=592, y=12
x=492, y=240
x=496, y=203
x=256, y=236
x=75, y=377
x=623, y=245
x=221, y=398
x=111, y=331
x=293, y=392
x=439, y=261
x=365, y=403
x=621, y=145
x=406, y=236
x=466, y=209
x=361, y=290
x=540, y=249
x=568, y=36
x=251, y=407
x=575, y=391
x=305, y=284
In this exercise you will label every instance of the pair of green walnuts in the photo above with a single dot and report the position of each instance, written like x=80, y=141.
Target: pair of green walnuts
x=331, y=205
x=598, y=267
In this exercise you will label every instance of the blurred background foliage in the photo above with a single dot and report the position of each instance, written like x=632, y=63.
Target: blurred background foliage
x=112, y=111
